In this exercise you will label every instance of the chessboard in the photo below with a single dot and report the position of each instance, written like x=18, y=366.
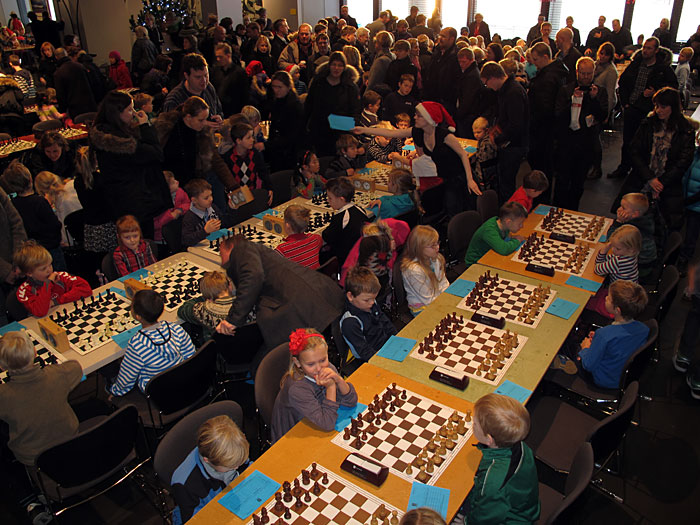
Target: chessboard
x=580, y=226
x=516, y=302
x=176, y=281
x=319, y=497
x=8, y=147
x=361, y=199
x=44, y=356
x=415, y=437
x=380, y=176
x=479, y=351
x=318, y=219
x=561, y=256
x=70, y=133
x=252, y=233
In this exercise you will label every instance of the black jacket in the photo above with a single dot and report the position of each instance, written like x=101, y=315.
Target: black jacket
x=233, y=86
x=441, y=82
x=73, y=88
x=10, y=97
x=365, y=332
x=400, y=67
x=661, y=75
x=513, y=118
x=470, y=90
x=483, y=31
x=143, y=56
x=620, y=40
x=286, y=136
x=47, y=67
x=570, y=62
x=544, y=87
x=277, y=44
x=64, y=167
x=596, y=107
x=40, y=222
x=341, y=240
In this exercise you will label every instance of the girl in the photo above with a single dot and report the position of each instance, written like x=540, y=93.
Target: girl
x=61, y=196
x=47, y=64
x=118, y=72
x=307, y=181
x=422, y=516
x=261, y=52
x=133, y=253
x=404, y=199
x=311, y=388
x=181, y=203
x=46, y=110
x=53, y=153
x=423, y=268
x=254, y=118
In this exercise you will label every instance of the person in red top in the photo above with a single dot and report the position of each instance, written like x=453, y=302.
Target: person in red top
x=181, y=203
x=45, y=288
x=297, y=246
x=133, y=253
x=118, y=72
x=534, y=184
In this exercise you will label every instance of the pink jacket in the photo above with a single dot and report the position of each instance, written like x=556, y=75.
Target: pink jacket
x=182, y=201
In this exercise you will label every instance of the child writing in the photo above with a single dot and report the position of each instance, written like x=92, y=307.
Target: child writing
x=307, y=180
x=348, y=159
x=386, y=150
x=312, y=388
x=634, y=210
x=43, y=287
x=181, y=203
x=133, y=252
x=423, y=268
x=211, y=466
x=404, y=199
x=346, y=224
x=496, y=233
x=297, y=246
x=484, y=161
x=203, y=217
x=534, y=184
x=365, y=327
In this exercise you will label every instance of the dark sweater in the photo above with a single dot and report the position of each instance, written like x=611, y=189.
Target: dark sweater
x=365, y=332
x=340, y=165
x=40, y=222
x=341, y=239
x=193, y=226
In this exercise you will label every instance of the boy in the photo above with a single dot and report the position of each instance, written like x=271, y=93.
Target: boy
x=349, y=158
x=534, y=184
x=206, y=311
x=45, y=288
x=345, y=226
x=634, y=210
x=401, y=101
x=385, y=150
x=203, y=217
x=365, y=327
x=484, y=162
x=682, y=74
x=495, y=233
x=505, y=484
x=156, y=347
x=403, y=121
x=297, y=246
x=144, y=102
x=371, y=101
x=34, y=403
x=221, y=450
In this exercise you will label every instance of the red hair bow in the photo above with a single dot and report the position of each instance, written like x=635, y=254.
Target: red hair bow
x=297, y=340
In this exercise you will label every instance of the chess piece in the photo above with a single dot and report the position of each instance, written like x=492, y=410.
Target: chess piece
x=305, y=477
x=394, y=518
x=316, y=489
x=298, y=503
x=264, y=518
x=256, y=519
x=307, y=496
x=374, y=521
x=409, y=469
x=430, y=467
x=279, y=506
x=382, y=512
x=357, y=443
x=346, y=434
x=324, y=479
x=422, y=475
x=314, y=471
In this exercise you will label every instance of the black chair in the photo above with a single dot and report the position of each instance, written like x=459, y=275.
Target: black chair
x=14, y=124
x=487, y=205
x=85, y=118
x=671, y=249
x=236, y=354
x=331, y=268
x=245, y=212
x=272, y=369
x=323, y=163
x=14, y=308
x=460, y=231
x=75, y=224
x=660, y=299
x=399, y=303
x=554, y=504
x=108, y=268
x=281, y=186
x=347, y=362
x=432, y=201
x=90, y=460
x=172, y=235
x=42, y=127
x=410, y=217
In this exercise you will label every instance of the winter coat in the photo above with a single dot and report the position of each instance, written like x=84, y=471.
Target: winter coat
x=143, y=56
x=10, y=97
x=47, y=67
x=398, y=68
x=233, y=87
x=73, y=88
x=119, y=74
x=378, y=73
x=441, y=81
x=543, y=93
x=661, y=75
x=691, y=184
x=12, y=234
x=286, y=132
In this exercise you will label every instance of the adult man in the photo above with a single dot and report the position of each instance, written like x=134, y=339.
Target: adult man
x=441, y=82
x=218, y=36
x=362, y=45
x=298, y=52
x=264, y=22
x=534, y=31
x=663, y=33
x=320, y=56
x=649, y=71
x=380, y=65
x=468, y=97
x=72, y=86
x=567, y=53
x=577, y=34
x=580, y=108
x=252, y=33
x=545, y=32
x=512, y=123
x=479, y=27
x=279, y=41
x=230, y=80
x=379, y=24
x=401, y=66
x=344, y=15
x=347, y=38
x=421, y=29
x=597, y=36
x=196, y=83
x=411, y=18
x=620, y=38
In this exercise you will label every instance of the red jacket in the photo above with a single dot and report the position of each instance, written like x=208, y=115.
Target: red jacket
x=38, y=297
x=119, y=73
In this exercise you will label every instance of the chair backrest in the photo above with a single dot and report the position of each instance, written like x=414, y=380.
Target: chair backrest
x=331, y=268
x=607, y=435
x=432, y=202
x=487, y=205
x=460, y=231
x=579, y=477
x=672, y=248
x=40, y=128
x=182, y=438
x=397, y=286
x=85, y=118
x=94, y=453
x=410, y=217
x=185, y=383
x=108, y=267
x=340, y=342
x=172, y=235
x=323, y=163
x=267, y=380
x=5, y=136
x=281, y=186
x=666, y=291
x=75, y=223
x=245, y=212
x=638, y=361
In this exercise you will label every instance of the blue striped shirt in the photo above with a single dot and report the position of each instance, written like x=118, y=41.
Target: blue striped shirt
x=617, y=267
x=151, y=351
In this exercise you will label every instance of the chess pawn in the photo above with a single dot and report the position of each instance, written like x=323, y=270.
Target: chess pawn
x=409, y=469
x=394, y=518
x=430, y=468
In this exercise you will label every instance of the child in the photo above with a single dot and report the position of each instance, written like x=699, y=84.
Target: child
x=345, y=227
x=401, y=101
x=634, y=210
x=484, y=161
x=505, y=484
x=46, y=110
x=212, y=307
x=422, y=516
x=691, y=191
x=371, y=101
x=311, y=388
x=423, y=268
x=386, y=150
x=365, y=327
x=534, y=184
x=495, y=233
x=307, y=181
x=156, y=347
x=144, y=102
x=61, y=196
x=181, y=203
x=118, y=71
x=403, y=121
x=34, y=403
x=299, y=85
x=404, y=199
x=254, y=118
x=348, y=158
x=212, y=465
x=43, y=287
x=683, y=74
x=133, y=252
x=297, y=246
x=203, y=217
x=245, y=161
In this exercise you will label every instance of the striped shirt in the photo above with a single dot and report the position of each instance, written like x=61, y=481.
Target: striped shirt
x=151, y=351
x=617, y=267
x=302, y=248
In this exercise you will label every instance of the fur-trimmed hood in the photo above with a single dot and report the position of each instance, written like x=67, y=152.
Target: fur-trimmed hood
x=350, y=74
x=7, y=81
x=105, y=138
x=664, y=56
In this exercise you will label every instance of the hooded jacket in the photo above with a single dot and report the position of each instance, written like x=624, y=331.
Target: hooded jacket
x=118, y=72
x=661, y=75
x=10, y=97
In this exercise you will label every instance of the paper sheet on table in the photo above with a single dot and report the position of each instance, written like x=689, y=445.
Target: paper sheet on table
x=510, y=389
x=542, y=209
x=461, y=287
x=250, y=494
x=12, y=327
x=340, y=122
x=345, y=414
x=470, y=149
x=584, y=284
x=396, y=348
x=123, y=338
x=562, y=308
x=217, y=234
x=135, y=275
x=435, y=498
x=262, y=214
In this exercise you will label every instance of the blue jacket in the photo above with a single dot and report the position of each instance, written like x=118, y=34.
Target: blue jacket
x=393, y=206
x=365, y=332
x=691, y=184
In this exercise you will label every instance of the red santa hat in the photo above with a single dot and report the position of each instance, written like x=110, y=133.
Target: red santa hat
x=292, y=68
x=435, y=113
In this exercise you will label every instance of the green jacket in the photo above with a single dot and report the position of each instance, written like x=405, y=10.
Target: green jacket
x=505, y=487
x=489, y=237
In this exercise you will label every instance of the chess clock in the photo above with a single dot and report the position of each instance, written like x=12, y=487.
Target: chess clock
x=132, y=286
x=240, y=196
x=54, y=334
x=363, y=183
x=365, y=468
x=449, y=377
x=274, y=223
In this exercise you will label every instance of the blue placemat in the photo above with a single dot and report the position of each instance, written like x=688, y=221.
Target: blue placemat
x=510, y=389
x=122, y=339
x=340, y=122
x=542, y=209
x=470, y=149
x=135, y=275
x=396, y=348
x=262, y=214
x=12, y=327
x=409, y=147
x=345, y=414
x=584, y=284
x=435, y=498
x=217, y=234
x=562, y=308
x=461, y=287
x=250, y=494
x=362, y=171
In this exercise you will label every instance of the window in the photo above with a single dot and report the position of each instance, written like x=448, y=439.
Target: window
x=647, y=15
x=690, y=19
x=508, y=18
x=398, y=8
x=360, y=10
x=454, y=14
x=586, y=14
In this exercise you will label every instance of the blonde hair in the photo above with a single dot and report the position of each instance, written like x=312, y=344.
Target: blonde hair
x=251, y=114
x=629, y=237
x=383, y=124
x=47, y=183
x=263, y=38
x=16, y=351
x=638, y=201
x=30, y=256
x=687, y=52
x=352, y=55
x=221, y=441
x=86, y=165
x=480, y=123
x=414, y=253
x=629, y=297
x=316, y=341
x=422, y=516
x=297, y=217
x=213, y=283
x=503, y=418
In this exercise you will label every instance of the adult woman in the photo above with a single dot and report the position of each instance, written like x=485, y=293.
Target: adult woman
x=286, y=123
x=261, y=52
x=143, y=54
x=53, y=153
x=494, y=52
x=333, y=91
x=605, y=75
x=47, y=64
x=129, y=156
x=352, y=55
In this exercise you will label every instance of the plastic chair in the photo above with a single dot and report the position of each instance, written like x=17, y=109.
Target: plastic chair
x=432, y=202
x=399, y=302
x=281, y=186
x=487, y=205
x=267, y=385
x=85, y=118
x=40, y=128
x=172, y=235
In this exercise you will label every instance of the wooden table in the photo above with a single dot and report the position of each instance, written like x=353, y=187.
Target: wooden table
x=32, y=138
x=305, y=444
x=528, y=368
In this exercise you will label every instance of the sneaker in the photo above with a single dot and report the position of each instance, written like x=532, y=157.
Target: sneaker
x=694, y=387
x=563, y=363
x=619, y=173
x=680, y=363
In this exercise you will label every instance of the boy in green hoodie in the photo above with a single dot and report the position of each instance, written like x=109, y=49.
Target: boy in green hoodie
x=495, y=233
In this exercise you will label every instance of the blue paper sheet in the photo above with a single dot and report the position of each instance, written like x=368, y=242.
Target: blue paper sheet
x=396, y=348
x=262, y=214
x=562, y=308
x=340, y=122
x=217, y=234
x=135, y=275
x=409, y=147
x=345, y=414
x=251, y=493
x=584, y=284
x=122, y=339
x=542, y=209
x=510, y=389
x=470, y=149
x=435, y=498
x=12, y=327
x=118, y=290
x=461, y=287
x=604, y=238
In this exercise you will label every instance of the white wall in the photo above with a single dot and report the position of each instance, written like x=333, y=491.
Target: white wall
x=313, y=10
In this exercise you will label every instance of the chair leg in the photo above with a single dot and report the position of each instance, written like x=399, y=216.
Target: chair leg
x=598, y=484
